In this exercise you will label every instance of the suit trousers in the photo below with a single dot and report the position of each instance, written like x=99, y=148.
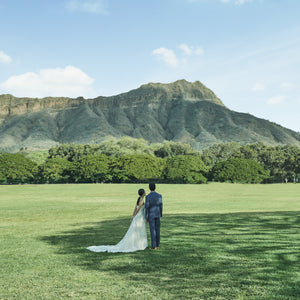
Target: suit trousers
x=154, y=226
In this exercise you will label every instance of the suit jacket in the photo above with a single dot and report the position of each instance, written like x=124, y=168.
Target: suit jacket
x=153, y=206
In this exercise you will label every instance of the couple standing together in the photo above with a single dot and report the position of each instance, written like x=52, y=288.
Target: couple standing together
x=136, y=237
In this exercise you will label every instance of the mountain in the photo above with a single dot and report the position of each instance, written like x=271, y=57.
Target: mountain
x=179, y=111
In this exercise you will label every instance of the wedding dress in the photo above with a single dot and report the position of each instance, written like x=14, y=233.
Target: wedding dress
x=135, y=238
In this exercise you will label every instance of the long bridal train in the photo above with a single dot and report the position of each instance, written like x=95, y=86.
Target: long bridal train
x=135, y=238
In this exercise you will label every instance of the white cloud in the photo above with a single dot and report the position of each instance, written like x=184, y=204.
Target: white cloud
x=4, y=58
x=237, y=2
x=67, y=82
x=198, y=51
x=287, y=85
x=166, y=55
x=276, y=99
x=258, y=87
x=186, y=49
x=189, y=50
x=87, y=6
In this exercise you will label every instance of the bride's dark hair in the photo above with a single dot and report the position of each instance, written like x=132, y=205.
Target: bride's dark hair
x=140, y=192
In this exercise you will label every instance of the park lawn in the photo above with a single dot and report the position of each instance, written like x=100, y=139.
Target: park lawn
x=218, y=241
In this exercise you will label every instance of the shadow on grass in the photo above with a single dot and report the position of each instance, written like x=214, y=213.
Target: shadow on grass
x=202, y=255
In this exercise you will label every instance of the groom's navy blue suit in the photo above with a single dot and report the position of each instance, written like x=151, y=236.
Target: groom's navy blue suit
x=153, y=213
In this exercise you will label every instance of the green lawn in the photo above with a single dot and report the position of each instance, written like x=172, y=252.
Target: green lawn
x=218, y=241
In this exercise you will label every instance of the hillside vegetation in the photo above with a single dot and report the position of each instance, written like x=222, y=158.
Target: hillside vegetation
x=180, y=111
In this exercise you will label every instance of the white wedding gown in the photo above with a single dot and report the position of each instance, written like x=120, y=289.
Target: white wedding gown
x=135, y=238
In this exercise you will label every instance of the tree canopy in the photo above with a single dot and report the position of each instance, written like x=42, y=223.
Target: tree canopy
x=185, y=169
x=136, y=160
x=16, y=168
x=239, y=170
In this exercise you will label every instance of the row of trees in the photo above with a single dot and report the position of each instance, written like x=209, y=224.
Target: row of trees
x=93, y=168
x=132, y=160
x=282, y=162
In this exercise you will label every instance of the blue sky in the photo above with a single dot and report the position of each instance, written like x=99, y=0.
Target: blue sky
x=246, y=51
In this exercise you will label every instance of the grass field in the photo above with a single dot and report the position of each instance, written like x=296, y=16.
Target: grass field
x=218, y=241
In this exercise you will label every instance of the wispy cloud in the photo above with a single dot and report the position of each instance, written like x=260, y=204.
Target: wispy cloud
x=237, y=2
x=166, y=55
x=189, y=50
x=170, y=58
x=4, y=58
x=69, y=82
x=258, y=87
x=287, y=85
x=87, y=6
x=276, y=99
x=186, y=49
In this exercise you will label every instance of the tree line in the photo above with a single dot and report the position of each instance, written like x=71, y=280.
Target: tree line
x=129, y=160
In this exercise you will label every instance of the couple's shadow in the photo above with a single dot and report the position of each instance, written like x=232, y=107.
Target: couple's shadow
x=192, y=245
x=73, y=243
x=134, y=266
x=181, y=233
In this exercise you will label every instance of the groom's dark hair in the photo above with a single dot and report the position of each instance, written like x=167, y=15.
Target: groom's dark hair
x=152, y=186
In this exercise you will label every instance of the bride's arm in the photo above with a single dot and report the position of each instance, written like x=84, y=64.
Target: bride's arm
x=134, y=213
x=140, y=206
x=136, y=210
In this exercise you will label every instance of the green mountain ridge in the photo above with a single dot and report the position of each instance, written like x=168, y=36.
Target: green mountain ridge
x=179, y=111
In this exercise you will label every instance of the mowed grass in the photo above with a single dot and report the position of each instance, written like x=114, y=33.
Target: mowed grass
x=218, y=241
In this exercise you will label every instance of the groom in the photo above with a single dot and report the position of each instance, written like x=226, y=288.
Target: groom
x=153, y=213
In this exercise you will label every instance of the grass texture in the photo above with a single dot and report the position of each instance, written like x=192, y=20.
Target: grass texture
x=218, y=241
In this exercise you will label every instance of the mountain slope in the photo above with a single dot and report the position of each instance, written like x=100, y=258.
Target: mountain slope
x=179, y=111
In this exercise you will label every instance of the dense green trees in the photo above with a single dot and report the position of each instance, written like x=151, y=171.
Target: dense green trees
x=91, y=168
x=54, y=170
x=185, y=169
x=137, y=168
x=171, y=149
x=16, y=168
x=135, y=160
x=72, y=152
x=120, y=147
x=239, y=170
x=126, y=146
x=280, y=161
x=219, y=152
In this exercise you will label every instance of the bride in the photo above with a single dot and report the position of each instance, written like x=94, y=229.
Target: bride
x=136, y=237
